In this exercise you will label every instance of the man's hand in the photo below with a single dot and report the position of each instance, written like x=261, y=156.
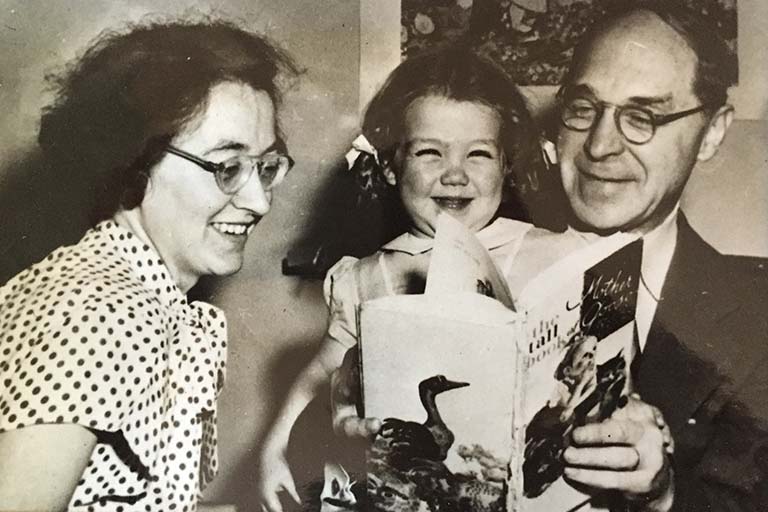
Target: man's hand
x=627, y=453
x=345, y=394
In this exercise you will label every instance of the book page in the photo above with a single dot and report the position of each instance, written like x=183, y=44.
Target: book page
x=442, y=371
x=460, y=263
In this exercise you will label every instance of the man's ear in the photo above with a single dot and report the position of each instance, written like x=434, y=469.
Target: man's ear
x=389, y=174
x=715, y=133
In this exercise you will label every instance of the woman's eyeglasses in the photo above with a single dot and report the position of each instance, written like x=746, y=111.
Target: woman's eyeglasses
x=232, y=174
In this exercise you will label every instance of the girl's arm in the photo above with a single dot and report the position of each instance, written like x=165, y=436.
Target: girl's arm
x=40, y=465
x=275, y=473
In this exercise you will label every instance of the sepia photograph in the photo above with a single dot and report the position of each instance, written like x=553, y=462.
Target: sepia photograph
x=385, y=255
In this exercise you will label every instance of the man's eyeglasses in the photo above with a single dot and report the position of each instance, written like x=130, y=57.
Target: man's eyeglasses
x=637, y=124
x=232, y=174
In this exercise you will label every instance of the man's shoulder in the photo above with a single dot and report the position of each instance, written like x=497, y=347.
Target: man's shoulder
x=745, y=276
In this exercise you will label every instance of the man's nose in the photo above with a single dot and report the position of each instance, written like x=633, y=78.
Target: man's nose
x=604, y=138
x=253, y=196
x=454, y=174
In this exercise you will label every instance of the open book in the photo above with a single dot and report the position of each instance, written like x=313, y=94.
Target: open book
x=480, y=392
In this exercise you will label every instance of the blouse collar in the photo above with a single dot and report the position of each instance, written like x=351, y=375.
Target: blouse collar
x=145, y=262
x=492, y=236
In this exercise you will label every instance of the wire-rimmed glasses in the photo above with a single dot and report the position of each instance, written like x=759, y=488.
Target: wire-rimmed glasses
x=637, y=124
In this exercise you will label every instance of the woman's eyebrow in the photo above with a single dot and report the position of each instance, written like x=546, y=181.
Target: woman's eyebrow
x=231, y=145
x=226, y=145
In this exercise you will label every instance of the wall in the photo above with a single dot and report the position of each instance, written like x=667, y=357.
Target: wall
x=274, y=321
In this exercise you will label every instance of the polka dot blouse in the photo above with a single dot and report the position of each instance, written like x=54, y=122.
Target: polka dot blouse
x=98, y=334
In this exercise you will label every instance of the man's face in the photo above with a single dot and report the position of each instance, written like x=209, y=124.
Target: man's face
x=611, y=183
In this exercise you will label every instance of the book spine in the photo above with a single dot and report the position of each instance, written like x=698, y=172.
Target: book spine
x=515, y=483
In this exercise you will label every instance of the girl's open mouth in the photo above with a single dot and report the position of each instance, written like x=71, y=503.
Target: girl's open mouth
x=452, y=203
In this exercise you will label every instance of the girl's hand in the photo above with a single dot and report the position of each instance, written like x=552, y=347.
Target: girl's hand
x=275, y=477
x=345, y=394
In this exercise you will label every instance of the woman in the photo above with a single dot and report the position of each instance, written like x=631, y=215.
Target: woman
x=109, y=376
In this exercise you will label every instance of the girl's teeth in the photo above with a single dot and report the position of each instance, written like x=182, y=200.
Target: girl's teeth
x=453, y=203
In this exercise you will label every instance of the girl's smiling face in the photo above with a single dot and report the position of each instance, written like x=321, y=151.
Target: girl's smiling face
x=450, y=161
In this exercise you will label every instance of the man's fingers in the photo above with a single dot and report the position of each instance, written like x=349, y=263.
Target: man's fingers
x=617, y=458
x=625, y=480
x=610, y=432
x=637, y=483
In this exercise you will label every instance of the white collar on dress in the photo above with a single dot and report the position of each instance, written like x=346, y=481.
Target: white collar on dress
x=495, y=234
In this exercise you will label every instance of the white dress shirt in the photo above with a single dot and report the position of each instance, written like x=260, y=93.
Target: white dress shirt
x=658, y=248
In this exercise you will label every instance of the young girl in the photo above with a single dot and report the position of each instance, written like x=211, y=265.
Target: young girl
x=448, y=132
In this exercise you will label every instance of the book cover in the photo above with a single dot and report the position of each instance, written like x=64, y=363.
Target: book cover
x=478, y=399
x=574, y=361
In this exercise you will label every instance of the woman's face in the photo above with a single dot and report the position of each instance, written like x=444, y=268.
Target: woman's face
x=197, y=229
x=450, y=161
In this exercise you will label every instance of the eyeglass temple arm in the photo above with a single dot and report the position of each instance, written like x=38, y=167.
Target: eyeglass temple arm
x=205, y=164
x=665, y=119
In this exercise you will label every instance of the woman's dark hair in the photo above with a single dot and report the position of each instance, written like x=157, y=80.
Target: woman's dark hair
x=716, y=67
x=460, y=74
x=132, y=91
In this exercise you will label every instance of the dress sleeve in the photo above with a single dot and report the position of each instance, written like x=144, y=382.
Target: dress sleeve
x=341, y=293
x=88, y=363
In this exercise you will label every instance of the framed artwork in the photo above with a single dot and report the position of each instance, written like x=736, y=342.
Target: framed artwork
x=533, y=39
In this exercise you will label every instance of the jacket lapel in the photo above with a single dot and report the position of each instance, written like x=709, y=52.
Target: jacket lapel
x=686, y=344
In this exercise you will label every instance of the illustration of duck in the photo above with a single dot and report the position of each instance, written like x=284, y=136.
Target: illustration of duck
x=407, y=470
x=408, y=440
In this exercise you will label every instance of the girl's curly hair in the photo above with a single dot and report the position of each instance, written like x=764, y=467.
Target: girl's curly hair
x=458, y=73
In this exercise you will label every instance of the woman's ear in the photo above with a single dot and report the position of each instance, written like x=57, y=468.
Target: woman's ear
x=715, y=133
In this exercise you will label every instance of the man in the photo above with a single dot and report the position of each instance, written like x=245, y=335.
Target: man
x=644, y=101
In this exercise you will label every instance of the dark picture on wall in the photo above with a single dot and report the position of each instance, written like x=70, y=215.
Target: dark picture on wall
x=532, y=39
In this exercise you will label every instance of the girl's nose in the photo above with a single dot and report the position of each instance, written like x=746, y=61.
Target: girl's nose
x=454, y=174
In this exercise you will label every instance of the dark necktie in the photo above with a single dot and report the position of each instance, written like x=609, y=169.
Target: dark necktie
x=634, y=365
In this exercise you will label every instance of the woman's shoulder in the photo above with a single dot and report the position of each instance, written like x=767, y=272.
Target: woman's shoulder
x=88, y=290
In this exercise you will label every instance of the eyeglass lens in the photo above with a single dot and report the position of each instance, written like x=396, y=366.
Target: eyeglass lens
x=634, y=123
x=236, y=172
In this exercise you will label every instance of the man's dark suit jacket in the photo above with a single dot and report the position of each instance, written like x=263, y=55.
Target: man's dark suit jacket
x=705, y=365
